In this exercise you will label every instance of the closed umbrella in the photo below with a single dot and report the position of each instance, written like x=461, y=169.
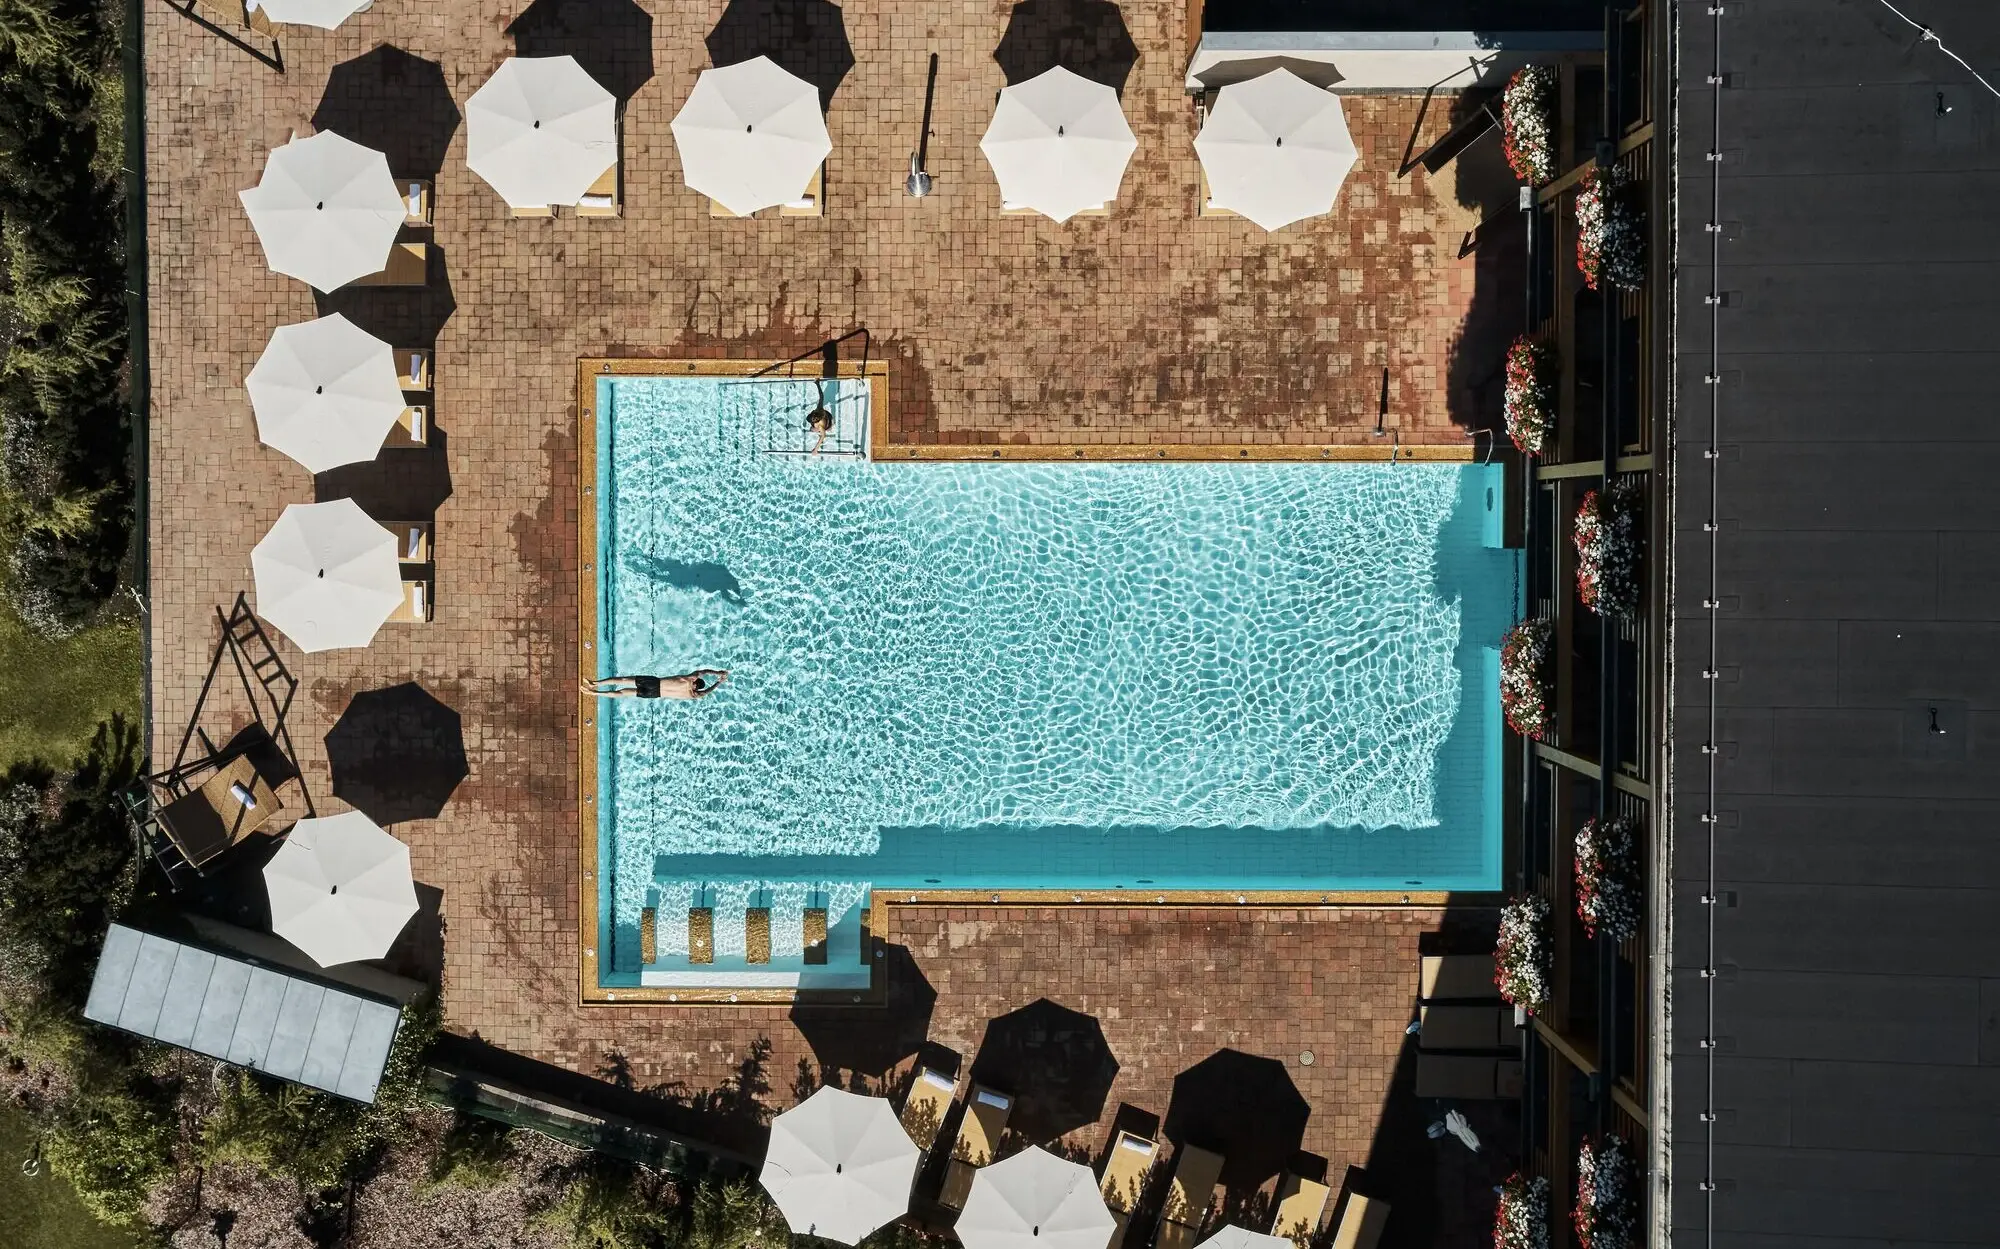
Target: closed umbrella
x=1035, y=1200
x=340, y=889
x=839, y=1165
x=1059, y=144
x=325, y=14
x=326, y=210
x=751, y=135
x=541, y=131
x=325, y=393
x=327, y=575
x=1230, y=1236
x=1275, y=149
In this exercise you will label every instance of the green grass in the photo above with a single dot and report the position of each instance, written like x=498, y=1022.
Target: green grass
x=41, y=1210
x=54, y=694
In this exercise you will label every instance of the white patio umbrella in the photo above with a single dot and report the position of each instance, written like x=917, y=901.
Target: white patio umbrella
x=340, y=889
x=1059, y=144
x=325, y=14
x=327, y=575
x=839, y=1165
x=1275, y=149
x=1035, y=1200
x=326, y=210
x=325, y=393
x=1230, y=1236
x=751, y=135
x=541, y=130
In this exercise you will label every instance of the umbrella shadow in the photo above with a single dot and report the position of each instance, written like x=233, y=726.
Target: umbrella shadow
x=1241, y=1106
x=402, y=316
x=399, y=484
x=394, y=102
x=611, y=39
x=868, y=1041
x=807, y=38
x=1087, y=37
x=1055, y=1063
x=419, y=949
x=396, y=754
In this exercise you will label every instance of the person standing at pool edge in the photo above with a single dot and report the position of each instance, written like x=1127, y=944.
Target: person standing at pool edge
x=697, y=684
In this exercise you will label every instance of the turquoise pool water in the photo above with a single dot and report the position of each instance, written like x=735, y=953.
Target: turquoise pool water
x=995, y=675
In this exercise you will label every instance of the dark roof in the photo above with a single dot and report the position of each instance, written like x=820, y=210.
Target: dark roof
x=1856, y=1014
x=1402, y=15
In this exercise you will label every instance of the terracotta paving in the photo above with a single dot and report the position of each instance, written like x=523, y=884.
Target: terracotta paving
x=1152, y=324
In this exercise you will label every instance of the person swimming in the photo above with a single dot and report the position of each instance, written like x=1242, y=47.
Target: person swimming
x=819, y=422
x=697, y=684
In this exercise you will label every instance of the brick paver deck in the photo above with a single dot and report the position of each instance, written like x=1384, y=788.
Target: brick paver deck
x=1150, y=324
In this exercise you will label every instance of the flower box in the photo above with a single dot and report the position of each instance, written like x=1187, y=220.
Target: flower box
x=1524, y=678
x=1521, y=1220
x=1607, y=877
x=1606, y=1215
x=1528, y=124
x=1531, y=394
x=1607, y=551
x=1523, y=961
x=1610, y=231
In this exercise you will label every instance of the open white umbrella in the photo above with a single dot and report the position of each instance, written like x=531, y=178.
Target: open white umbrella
x=1035, y=1200
x=1230, y=1236
x=340, y=889
x=541, y=130
x=326, y=210
x=839, y=1165
x=325, y=14
x=751, y=135
x=325, y=392
x=1059, y=144
x=327, y=575
x=1275, y=149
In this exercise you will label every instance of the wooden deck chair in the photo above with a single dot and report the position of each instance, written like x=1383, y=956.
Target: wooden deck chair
x=416, y=607
x=409, y=265
x=417, y=207
x=413, y=369
x=1464, y=977
x=986, y=1115
x=603, y=198
x=1301, y=1203
x=413, y=540
x=412, y=429
x=533, y=210
x=811, y=203
x=924, y=1110
x=1361, y=1222
x=1195, y=1172
x=1125, y=1170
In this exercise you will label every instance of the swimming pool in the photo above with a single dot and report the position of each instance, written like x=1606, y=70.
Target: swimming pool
x=1020, y=676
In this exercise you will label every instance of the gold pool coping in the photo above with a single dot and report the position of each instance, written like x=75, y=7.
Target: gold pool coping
x=875, y=922
x=886, y=452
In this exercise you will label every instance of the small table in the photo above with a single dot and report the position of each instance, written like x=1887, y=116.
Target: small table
x=213, y=818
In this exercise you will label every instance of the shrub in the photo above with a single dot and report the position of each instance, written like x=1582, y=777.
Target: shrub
x=1528, y=123
x=1607, y=877
x=1530, y=400
x=730, y=1215
x=1523, y=963
x=113, y=1145
x=474, y=1153
x=1610, y=231
x=609, y=1205
x=1524, y=678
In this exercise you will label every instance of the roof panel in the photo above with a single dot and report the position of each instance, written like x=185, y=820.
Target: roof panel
x=223, y=1008
x=114, y=975
x=150, y=973
x=326, y=1052
x=367, y=1051
x=260, y=1016
x=296, y=1016
x=186, y=990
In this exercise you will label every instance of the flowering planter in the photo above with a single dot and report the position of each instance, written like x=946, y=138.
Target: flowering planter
x=1606, y=1215
x=1531, y=394
x=1607, y=877
x=1610, y=231
x=1524, y=678
x=1607, y=551
x=1521, y=1220
x=1523, y=962
x=1528, y=124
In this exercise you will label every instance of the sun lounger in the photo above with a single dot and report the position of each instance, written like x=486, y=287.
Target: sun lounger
x=815, y=936
x=412, y=428
x=416, y=606
x=1467, y=1077
x=409, y=265
x=813, y=202
x=535, y=210
x=1300, y=1204
x=1011, y=209
x=926, y=1106
x=413, y=369
x=1208, y=205
x=1467, y=977
x=701, y=935
x=1465, y=1027
x=1125, y=1170
x=1361, y=1222
x=413, y=540
x=416, y=200
x=602, y=199
x=757, y=935
x=986, y=1114
x=649, y=949
x=1195, y=1173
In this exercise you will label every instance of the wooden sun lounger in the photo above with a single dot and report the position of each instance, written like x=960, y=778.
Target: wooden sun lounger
x=602, y=199
x=1208, y=208
x=1125, y=1170
x=409, y=265
x=1465, y=1027
x=413, y=540
x=1195, y=1172
x=413, y=369
x=1361, y=1222
x=1467, y=977
x=1300, y=1205
x=416, y=607
x=757, y=935
x=925, y=1108
x=1467, y=1077
x=986, y=1115
x=815, y=936
x=412, y=428
x=1022, y=210
x=417, y=207
x=812, y=202
x=701, y=935
x=534, y=210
